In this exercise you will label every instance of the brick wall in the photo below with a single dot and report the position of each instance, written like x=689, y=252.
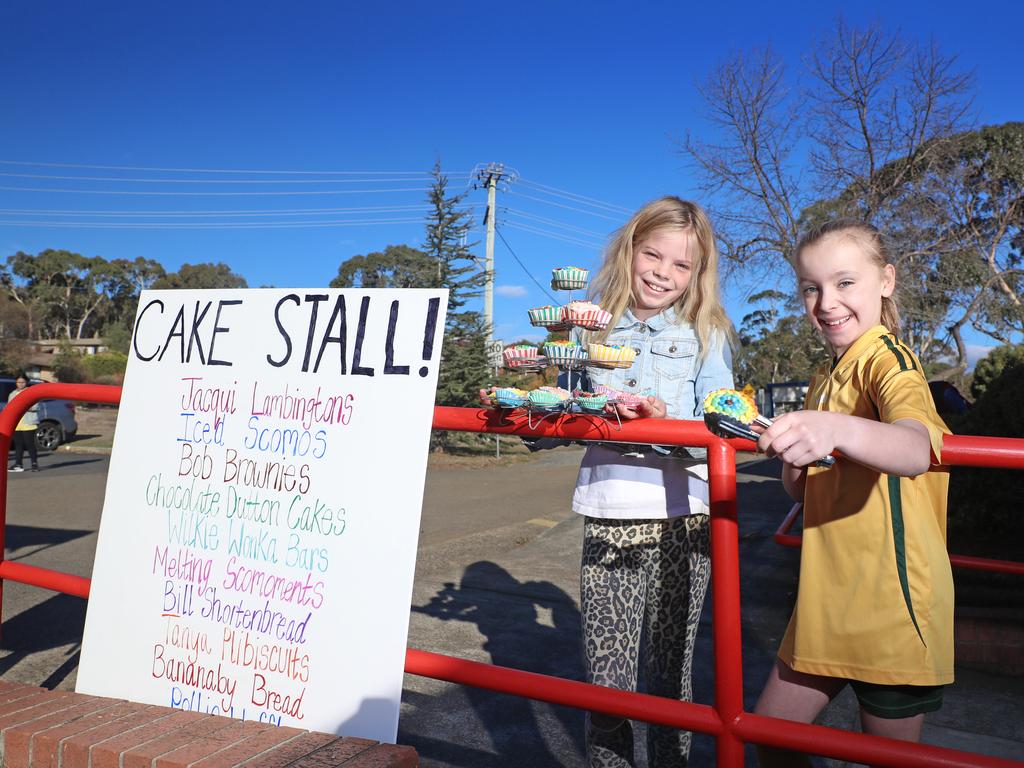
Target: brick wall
x=61, y=729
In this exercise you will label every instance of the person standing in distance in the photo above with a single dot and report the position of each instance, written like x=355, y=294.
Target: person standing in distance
x=25, y=432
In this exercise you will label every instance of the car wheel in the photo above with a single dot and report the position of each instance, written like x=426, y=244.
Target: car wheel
x=49, y=435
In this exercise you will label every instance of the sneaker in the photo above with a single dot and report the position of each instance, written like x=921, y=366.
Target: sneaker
x=17, y=469
x=35, y=467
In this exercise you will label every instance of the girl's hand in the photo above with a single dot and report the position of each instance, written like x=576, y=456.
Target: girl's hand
x=485, y=399
x=651, y=408
x=800, y=438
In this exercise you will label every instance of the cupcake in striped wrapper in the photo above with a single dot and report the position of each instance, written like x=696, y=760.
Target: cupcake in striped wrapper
x=545, y=317
x=564, y=352
x=519, y=355
x=586, y=314
x=591, y=402
x=510, y=397
x=548, y=397
x=611, y=354
x=628, y=399
x=569, y=278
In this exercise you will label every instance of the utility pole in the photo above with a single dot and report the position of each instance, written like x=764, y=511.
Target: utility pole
x=492, y=187
x=489, y=176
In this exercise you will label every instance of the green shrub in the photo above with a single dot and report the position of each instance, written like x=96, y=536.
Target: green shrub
x=984, y=504
x=992, y=365
x=104, y=367
x=68, y=367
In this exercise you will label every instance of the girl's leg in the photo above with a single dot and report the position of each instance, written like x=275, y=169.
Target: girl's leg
x=611, y=600
x=905, y=728
x=792, y=695
x=19, y=447
x=680, y=568
x=30, y=442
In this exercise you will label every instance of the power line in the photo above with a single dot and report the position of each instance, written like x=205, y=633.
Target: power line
x=577, y=198
x=205, y=225
x=523, y=266
x=553, y=235
x=264, y=212
x=426, y=174
x=51, y=177
x=562, y=205
x=553, y=222
x=129, y=193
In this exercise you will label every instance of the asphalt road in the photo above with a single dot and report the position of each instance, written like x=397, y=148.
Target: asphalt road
x=496, y=581
x=53, y=519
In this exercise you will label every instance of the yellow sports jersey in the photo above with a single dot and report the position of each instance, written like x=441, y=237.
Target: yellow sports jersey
x=875, y=601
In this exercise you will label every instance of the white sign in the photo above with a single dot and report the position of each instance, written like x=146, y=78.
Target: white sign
x=494, y=353
x=258, y=540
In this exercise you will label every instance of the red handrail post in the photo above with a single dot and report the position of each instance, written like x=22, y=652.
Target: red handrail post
x=725, y=596
x=9, y=418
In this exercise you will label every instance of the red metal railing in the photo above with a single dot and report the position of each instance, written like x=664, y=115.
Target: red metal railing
x=726, y=719
x=785, y=538
x=960, y=450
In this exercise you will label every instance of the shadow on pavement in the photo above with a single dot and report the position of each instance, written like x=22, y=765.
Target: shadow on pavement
x=32, y=536
x=73, y=462
x=63, y=618
x=532, y=626
x=40, y=539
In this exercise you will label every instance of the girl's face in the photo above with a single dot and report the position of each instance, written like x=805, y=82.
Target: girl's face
x=842, y=288
x=20, y=383
x=662, y=268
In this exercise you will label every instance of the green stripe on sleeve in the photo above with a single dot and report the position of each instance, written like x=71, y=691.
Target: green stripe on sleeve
x=899, y=355
x=910, y=357
x=896, y=512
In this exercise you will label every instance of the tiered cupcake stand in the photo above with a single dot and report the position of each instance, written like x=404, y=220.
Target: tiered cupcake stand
x=569, y=357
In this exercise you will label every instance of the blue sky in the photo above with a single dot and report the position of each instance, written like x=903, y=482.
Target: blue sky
x=583, y=100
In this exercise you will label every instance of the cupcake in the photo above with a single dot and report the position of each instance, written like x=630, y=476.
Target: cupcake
x=732, y=403
x=545, y=317
x=586, y=314
x=591, y=402
x=519, y=355
x=630, y=399
x=510, y=397
x=548, y=397
x=611, y=354
x=564, y=352
x=569, y=278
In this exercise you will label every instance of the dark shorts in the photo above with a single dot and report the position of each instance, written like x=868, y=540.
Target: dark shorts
x=893, y=702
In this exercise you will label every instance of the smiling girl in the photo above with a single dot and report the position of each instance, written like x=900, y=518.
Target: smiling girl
x=645, y=564
x=875, y=599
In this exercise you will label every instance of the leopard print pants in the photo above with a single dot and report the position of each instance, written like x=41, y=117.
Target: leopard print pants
x=642, y=581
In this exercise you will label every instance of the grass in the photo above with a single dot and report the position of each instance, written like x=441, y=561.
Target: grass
x=95, y=428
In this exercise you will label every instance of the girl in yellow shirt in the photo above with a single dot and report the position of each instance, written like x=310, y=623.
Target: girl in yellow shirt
x=25, y=433
x=875, y=600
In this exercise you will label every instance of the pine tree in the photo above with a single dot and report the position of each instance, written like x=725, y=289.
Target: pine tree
x=464, y=364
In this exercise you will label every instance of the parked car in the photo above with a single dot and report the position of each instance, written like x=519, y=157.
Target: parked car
x=56, y=417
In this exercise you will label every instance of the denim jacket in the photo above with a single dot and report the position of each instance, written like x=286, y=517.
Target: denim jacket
x=667, y=363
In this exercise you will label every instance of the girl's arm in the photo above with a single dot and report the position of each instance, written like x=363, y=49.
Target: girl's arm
x=800, y=438
x=793, y=480
x=715, y=372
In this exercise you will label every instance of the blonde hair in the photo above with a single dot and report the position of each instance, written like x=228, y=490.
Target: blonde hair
x=870, y=239
x=701, y=302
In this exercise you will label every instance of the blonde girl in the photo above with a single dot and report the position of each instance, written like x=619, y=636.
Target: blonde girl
x=875, y=600
x=645, y=564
